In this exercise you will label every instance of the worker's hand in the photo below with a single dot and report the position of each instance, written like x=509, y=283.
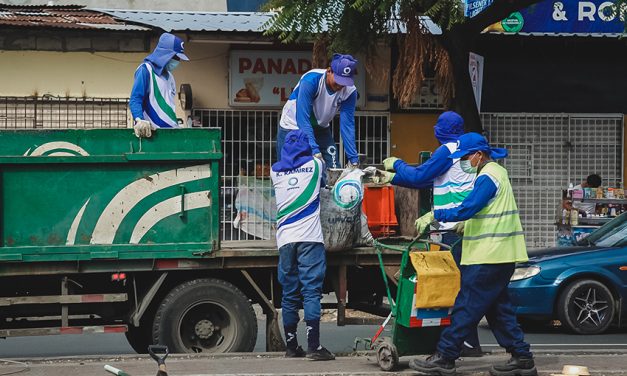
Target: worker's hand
x=143, y=128
x=388, y=163
x=383, y=177
x=422, y=223
x=459, y=227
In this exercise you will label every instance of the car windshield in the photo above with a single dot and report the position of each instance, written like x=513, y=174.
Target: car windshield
x=612, y=234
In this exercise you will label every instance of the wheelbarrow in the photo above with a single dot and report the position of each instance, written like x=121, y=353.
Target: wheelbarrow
x=414, y=331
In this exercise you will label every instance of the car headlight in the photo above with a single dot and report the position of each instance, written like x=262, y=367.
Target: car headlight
x=524, y=273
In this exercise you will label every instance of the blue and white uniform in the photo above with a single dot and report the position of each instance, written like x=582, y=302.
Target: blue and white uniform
x=313, y=105
x=153, y=96
x=297, y=193
x=154, y=89
x=296, y=178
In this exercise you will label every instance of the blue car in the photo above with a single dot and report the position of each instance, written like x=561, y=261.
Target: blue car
x=583, y=286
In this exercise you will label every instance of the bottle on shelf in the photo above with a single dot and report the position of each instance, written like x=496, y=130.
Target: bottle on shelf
x=574, y=217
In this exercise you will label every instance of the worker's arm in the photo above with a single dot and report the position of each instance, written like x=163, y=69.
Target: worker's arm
x=422, y=176
x=347, y=127
x=484, y=190
x=141, y=86
x=304, y=110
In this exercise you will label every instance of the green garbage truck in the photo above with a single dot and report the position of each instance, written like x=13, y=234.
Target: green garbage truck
x=102, y=232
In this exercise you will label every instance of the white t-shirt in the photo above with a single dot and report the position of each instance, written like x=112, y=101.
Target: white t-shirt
x=297, y=195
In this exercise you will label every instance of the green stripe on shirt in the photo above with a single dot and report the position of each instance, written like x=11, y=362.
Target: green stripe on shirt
x=304, y=197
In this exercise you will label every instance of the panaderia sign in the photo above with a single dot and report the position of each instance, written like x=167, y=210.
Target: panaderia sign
x=267, y=78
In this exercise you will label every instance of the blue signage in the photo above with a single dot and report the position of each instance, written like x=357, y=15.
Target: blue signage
x=474, y=7
x=572, y=16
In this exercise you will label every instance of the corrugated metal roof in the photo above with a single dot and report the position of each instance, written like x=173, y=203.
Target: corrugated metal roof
x=194, y=21
x=65, y=16
x=212, y=21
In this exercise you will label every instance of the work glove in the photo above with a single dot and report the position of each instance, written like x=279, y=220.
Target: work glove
x=388, y=163
x=383, y=177
x=143, y=128
x=459, y=227
x=423, y=223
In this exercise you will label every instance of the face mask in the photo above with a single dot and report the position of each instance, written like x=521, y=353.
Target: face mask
x=172, y=65
x=467, y=167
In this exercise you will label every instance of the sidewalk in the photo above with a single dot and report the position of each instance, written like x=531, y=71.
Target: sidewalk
x=599, y=362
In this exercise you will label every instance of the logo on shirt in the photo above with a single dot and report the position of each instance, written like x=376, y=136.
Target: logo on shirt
x=292, y=181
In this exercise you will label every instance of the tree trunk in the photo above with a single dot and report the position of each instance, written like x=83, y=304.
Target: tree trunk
x=458, y=43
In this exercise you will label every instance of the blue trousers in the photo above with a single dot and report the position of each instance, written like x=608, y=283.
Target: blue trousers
x=484, y=293
x=302, y=267
x=324, y=139
x=452, y=238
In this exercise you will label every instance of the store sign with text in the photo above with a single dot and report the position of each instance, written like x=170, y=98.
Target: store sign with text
x=474, y=7
x=566, y=16
x=267, y=78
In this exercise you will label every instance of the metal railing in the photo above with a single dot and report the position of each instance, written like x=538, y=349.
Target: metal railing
x=50, y=112
x=248, y=209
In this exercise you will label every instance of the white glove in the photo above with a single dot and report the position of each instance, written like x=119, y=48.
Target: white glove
x=143, y=128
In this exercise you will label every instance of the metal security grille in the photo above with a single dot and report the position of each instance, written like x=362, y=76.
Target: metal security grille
x=549, y=151
x=248, y=209
x=55, y=112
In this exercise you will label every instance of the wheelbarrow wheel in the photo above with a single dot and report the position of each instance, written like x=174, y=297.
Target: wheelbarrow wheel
x=387, y=356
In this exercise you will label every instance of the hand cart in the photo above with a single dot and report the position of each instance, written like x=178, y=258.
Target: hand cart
x=411, y=335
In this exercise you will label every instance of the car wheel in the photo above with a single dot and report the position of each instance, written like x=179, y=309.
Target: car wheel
x=205, y=315
x=586, y=307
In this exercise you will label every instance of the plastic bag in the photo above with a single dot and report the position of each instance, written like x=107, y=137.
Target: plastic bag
x=340, y=213
x=438, y=279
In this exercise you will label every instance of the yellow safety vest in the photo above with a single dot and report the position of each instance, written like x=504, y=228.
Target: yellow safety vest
x=495, y=234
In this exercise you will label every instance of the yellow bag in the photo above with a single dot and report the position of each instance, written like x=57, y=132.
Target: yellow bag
x=437, y=279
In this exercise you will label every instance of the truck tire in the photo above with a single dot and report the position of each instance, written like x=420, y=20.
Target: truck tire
x=205, y=315
x=586, y=307
x=140, y=337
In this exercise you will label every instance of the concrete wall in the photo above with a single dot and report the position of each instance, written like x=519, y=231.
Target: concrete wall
x=110, y=74
x=188, y=5
x=76, y=74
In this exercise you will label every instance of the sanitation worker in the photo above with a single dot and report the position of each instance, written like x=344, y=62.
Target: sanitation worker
x=451, y=184
x=154, y=90
x=313, y=104
x=493, y=242
x=296, y=178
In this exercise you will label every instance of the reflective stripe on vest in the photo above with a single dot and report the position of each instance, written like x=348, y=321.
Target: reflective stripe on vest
x=161, y=107
x=452, y=187
x=495, y=234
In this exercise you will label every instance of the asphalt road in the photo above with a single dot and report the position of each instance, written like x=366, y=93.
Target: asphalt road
x=337, y=339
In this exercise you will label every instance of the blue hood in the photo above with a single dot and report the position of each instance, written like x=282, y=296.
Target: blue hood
x=295, y=153
x=449, y=127
x=169, y=45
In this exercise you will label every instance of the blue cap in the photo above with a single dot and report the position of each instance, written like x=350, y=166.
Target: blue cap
x=343, y=67
x=474, y=142
x=173, y=43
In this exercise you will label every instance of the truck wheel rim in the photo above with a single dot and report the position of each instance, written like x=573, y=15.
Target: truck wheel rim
x=207, y=327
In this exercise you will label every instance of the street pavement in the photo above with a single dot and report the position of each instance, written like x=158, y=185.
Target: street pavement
x=337, y=339
x=274, y=364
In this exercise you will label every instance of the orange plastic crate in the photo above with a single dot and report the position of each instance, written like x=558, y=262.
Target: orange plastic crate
x=378, y=205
